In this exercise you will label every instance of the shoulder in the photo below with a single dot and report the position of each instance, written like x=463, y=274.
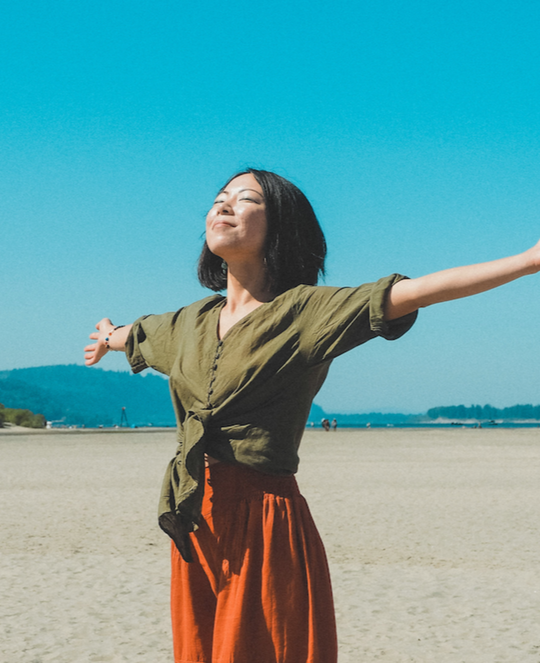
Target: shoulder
x=174, y=318
x=203, y=305
x=323, y=305
x=306, y=296
x=194, y=313
x=303, y=293
x=322, y=293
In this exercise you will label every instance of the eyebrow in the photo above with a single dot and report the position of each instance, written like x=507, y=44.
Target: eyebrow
x=242, y=190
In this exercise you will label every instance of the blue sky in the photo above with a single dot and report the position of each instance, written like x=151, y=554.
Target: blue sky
x=414, y=129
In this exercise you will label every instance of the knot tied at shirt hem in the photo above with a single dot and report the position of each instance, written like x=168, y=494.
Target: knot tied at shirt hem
x=183, y=485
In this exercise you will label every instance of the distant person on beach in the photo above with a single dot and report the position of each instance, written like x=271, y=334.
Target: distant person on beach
x=250, y=581
x=334, y=424
x=325, y=424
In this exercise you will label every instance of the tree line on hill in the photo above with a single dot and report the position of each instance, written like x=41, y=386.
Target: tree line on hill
x=21, y=417
x=485, y=412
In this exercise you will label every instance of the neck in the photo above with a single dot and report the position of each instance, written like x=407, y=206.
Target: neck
x=246, y=286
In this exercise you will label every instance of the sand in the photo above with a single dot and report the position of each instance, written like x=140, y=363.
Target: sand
x=432, y=537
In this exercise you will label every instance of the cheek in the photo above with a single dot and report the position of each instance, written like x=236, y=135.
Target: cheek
x=263, y=230
x=262, y=233
x=208, y=227
x=259, y=222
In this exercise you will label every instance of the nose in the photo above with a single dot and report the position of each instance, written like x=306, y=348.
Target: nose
x=225, y=208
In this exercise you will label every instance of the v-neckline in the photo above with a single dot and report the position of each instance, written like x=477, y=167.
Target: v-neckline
x=221, y=306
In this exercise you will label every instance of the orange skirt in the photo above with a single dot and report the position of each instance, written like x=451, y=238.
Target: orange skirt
x=258, y=590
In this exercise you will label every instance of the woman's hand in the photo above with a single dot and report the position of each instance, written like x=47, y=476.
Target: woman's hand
x=409, y=295
x=94, y=352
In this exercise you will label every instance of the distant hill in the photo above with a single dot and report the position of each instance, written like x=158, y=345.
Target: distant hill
x=81, y=396
x=77, y=395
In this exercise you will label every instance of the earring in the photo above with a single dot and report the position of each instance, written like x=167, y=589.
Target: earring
x=224, y=268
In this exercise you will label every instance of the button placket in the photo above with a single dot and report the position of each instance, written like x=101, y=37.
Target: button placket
x=213, y=375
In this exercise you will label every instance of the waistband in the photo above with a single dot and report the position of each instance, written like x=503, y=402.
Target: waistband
x=233, y=482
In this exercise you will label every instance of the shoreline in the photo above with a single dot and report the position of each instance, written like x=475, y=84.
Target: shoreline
x=20, y=430
x=316, y=429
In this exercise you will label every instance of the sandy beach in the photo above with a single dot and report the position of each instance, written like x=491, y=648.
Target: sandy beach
x=432, y=538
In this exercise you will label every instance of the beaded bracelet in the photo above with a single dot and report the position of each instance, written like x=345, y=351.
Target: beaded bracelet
x=110, y=334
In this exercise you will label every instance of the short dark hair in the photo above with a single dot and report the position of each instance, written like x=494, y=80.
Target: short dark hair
x=295, y=247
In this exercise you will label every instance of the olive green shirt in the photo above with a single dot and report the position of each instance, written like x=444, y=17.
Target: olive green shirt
x=246, y=398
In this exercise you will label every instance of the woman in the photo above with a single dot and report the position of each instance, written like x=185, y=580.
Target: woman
x=250, y=582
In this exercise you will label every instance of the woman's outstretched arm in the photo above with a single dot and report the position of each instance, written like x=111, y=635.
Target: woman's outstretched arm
x=107, y=338
x=409, y=295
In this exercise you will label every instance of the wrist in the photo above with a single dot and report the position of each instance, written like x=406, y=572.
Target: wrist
x=531, y=261
x=108, y=336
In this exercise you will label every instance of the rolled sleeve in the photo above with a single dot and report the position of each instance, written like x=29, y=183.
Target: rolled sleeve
x=153, y=342
x=391, y=330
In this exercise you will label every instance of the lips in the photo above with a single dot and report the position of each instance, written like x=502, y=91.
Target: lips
x=221, y=223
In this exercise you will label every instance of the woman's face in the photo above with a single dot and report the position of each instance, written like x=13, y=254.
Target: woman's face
x=236, y=224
